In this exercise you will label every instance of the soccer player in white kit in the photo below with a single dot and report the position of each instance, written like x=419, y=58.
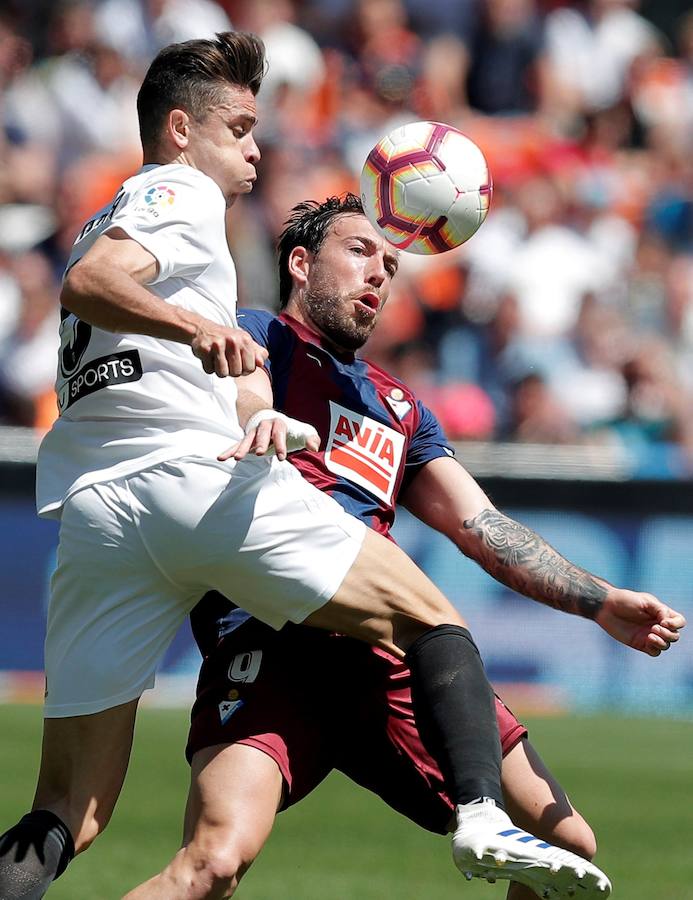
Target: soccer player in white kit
x=150, y=519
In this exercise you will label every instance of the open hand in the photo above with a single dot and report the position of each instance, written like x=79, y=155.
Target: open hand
x=270, y=432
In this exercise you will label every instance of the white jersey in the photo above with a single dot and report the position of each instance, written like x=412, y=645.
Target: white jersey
x=128, y=401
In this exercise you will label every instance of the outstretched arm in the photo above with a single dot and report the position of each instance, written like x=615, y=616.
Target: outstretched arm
x=524, y=561
x=107, y=288
x=446, y=497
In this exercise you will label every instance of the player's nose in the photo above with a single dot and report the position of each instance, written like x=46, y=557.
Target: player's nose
x=377, y=272
x=252, y=153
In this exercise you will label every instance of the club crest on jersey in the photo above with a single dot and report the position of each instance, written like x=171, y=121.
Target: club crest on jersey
x=363, y=450
x=227, y=708
x=397, y=403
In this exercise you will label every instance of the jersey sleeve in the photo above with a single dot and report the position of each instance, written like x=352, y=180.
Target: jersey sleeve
x=428, y=442
x=265, y=329
x=177, y=218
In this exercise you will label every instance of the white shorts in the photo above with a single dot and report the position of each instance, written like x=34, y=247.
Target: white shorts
x=135, y=555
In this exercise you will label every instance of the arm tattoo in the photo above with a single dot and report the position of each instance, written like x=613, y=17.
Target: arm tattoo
x=519, y=558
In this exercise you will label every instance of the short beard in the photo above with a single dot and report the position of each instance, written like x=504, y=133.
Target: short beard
x=340, y=329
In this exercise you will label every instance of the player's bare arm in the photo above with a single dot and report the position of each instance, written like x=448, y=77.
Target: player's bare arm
x=107, y=289
x=266, y=430
x=448, y=499
x=255, y=398
x=520, y=558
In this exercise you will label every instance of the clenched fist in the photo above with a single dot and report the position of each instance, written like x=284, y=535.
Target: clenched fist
x=226, y=351
x=640, y=621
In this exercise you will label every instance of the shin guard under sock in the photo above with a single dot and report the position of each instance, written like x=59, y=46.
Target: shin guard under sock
x=33, y=854
x=455, y=712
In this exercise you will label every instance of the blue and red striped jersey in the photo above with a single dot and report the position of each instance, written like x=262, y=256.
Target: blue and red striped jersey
x=375, y=434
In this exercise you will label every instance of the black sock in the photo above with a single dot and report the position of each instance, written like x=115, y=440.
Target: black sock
x=33, y=854
x=455, y=712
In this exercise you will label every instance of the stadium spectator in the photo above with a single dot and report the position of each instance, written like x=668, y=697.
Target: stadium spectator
x=10, y=298
x=138, y=29
x=26, y=167
x=294, y=60
x=552, y=265
x=82, y=97
x=537, y=415
x=506, y=72
x=589, y=381
x=656, y=419
x=27, y=353
x=592, y=50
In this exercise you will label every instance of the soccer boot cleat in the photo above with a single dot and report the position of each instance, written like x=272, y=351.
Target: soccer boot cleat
x=487, y=845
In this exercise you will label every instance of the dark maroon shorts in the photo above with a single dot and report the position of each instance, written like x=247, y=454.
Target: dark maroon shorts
x=315, y=702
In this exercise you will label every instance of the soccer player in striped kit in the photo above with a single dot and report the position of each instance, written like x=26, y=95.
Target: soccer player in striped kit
x=151, y=519
x=276, y=711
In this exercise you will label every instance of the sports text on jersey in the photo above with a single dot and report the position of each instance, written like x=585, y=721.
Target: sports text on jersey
x=363, y=450
x=116, y=368
x=99, y=220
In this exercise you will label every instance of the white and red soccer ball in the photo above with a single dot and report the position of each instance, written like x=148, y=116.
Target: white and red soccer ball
x=426, y=187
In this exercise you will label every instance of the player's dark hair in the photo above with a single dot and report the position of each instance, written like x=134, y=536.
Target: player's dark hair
x=193, y=76
x=307, y=227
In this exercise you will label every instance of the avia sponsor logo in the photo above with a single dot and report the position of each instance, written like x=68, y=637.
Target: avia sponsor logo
x=117, y=368
x=363, y=450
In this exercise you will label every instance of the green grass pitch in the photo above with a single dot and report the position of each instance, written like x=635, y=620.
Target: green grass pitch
x=632, y=779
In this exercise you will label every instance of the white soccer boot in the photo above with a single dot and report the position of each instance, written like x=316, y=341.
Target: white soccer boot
x=487, y=845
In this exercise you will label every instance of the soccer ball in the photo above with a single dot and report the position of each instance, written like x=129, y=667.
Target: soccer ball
x=426, y=187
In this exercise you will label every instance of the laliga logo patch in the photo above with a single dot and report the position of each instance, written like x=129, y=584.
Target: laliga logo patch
x=399, y=406
x=364, y=451
x=159, y=197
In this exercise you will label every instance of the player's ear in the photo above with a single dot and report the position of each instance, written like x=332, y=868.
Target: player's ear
x=299, y=265
x=177, y=127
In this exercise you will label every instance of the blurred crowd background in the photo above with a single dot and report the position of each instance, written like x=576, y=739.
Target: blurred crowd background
x=568, y=318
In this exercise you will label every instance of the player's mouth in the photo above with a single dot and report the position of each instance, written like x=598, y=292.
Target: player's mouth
x=369, y=301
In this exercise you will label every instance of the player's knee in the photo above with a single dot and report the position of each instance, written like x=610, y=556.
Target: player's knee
x=586, y=845
x=577, y=836
x=407, y=630
x=217, y=869
x=89, y=829
x=220, y=876
x=414, y=616
x=85, y=826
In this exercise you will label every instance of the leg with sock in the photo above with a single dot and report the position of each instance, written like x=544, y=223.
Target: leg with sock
x=386, y=600
x=455, y=713
x=33, y=854
x=83, y=764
